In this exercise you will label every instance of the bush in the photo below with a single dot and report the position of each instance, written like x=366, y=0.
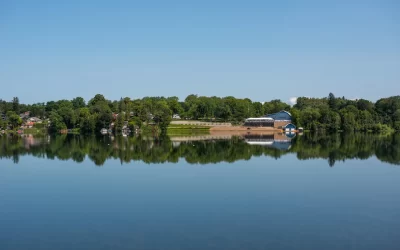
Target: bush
x=40, y=125
x=397, y=126
x=135, y=121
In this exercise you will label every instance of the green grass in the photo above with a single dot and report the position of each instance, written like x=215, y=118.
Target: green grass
x=183, y=126
x=35, y=131
x=187, y=130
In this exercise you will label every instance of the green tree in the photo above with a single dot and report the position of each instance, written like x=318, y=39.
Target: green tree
x=309, y=118
x=224, y=111
x=15, y=105
x=37, y=109
x=122, y=106
x=275, y=106
x=56, y=122
x=386, y=108
x=332, y=101
x=2, y=124
x=96, y=99
x=119, y=123
x=363, y=104
x=128, y=107
x=13, y=119
x=162, y=115
x=174, y=105
x=138, y=110
x=334, y=121
x=349, y=116
x=397, y=125
x=78, y=103
x=365, y=120
x=258, y=109
x=86, y=120
x=51, y=106
x=3, y=106
x=396, y=115
x=68, y=115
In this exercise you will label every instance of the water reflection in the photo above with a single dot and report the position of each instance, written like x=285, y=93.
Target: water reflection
x=204, y=149
x=279, y=141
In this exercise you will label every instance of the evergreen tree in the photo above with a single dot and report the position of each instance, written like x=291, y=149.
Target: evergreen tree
x=15, y=105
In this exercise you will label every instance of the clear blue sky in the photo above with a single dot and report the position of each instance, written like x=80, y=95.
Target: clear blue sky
x=262, y=50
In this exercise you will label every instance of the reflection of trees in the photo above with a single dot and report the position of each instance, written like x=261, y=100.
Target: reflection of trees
x=388, y=149
x=332, y=147
x=339, y=147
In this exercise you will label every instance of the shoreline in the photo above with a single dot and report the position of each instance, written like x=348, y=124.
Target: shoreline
x=244, y=129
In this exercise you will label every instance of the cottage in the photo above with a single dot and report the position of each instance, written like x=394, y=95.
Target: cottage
x=25, y=115
x=35, y=120
x=29, y=124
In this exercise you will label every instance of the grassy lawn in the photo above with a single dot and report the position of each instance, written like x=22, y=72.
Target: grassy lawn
x=184, y=126
x=175, y=129
x=35, y=131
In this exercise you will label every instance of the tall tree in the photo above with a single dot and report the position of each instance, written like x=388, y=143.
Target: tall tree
x=162, y=115
x=174, y=105
x=332, y=101
x=13, y=119
x=258, y=109
x=78, y=103
x=119, y=123
x=275, y=106
x=15, y=105
x=56, y=122
x=97, y=98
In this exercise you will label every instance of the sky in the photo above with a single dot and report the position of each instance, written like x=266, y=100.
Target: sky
x=262, y=50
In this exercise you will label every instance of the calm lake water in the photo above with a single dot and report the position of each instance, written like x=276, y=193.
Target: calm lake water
x=313, y=191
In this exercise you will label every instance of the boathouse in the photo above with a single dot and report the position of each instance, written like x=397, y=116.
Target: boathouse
x=277, y=120
x=281, y=118
x=259, y=122
x=290, y=127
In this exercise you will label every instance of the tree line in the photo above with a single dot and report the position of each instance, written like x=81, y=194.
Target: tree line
x=328, y=113
x=334, y=114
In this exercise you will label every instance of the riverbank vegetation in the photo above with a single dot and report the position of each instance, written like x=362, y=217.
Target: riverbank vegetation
x=154, y=114
x=335, y=114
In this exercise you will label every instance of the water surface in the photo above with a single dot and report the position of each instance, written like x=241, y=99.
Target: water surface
x=309, y=192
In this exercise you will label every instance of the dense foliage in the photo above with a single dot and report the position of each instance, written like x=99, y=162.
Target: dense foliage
x=330, y=113
x=334, y=114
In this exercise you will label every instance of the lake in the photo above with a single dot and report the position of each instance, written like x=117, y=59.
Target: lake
x=271, y=191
